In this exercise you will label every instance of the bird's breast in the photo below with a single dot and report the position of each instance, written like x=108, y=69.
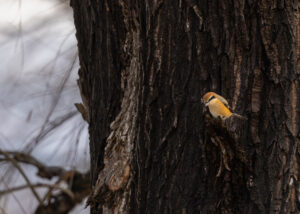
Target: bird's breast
x=218, y=109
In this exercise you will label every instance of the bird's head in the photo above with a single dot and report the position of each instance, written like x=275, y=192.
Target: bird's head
x=208, y=97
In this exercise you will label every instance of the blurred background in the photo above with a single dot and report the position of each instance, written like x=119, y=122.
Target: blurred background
x=41, y=131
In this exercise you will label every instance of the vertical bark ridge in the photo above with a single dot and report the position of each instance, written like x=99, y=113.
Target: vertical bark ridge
x=281, y=72
x=112, y=190
x=99, y=32
x=298, y=39
x=241, y=37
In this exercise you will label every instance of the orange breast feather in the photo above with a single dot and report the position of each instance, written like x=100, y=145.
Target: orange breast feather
x=218, y=109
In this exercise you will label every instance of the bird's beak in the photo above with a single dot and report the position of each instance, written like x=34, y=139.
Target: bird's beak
x=206, y=104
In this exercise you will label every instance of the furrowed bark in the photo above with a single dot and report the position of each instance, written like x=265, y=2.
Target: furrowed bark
x=145, y=66
x=112, y=189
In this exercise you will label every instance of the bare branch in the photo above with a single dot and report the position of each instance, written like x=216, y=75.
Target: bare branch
x=66, y=199
x=16, y=199
x=39, y=185
x=43, y=171
x=16, y=164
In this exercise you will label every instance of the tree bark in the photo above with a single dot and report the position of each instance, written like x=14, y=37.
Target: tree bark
x=144, y=66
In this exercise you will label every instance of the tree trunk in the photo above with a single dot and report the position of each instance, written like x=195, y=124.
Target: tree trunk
x=145, y=66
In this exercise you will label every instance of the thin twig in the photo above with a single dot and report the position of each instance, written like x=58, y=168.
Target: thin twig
x=43, y=171
x=52, y=186
x=16, y=199
x=16, y=164
x=31, y=145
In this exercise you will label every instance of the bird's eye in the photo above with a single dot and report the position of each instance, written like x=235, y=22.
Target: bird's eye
x=211, y=98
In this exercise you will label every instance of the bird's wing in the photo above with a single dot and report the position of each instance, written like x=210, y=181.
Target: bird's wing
x=223, y=100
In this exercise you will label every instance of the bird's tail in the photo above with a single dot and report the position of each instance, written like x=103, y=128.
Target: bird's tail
x=239, y=116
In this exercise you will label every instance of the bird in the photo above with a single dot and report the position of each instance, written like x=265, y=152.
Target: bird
x=218, y=106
